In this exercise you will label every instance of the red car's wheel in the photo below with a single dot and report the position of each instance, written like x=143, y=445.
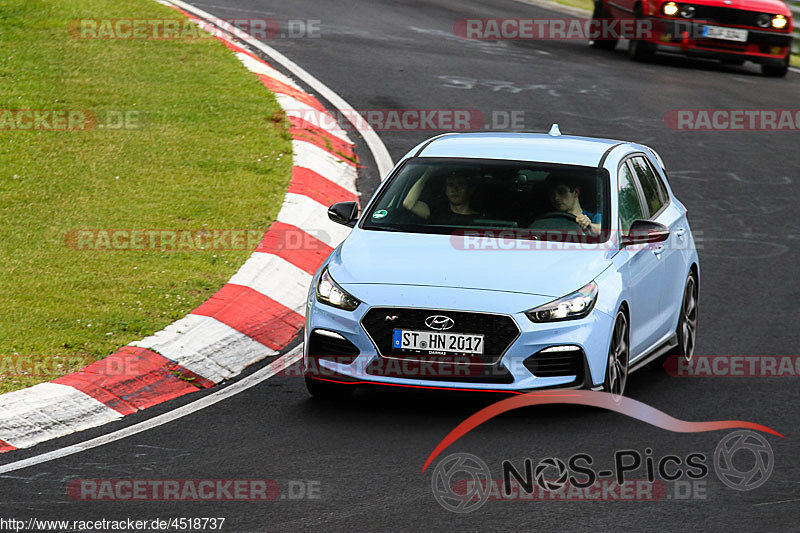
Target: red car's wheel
x=776, y=71
x=639, y=49
x=603, y=42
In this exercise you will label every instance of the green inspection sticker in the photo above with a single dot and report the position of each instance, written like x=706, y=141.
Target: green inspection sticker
x=380, y=214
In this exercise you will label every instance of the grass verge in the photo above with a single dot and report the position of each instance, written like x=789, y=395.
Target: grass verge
x=204, y=155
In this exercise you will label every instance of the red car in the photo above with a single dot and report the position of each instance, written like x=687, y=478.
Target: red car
x=729, y=30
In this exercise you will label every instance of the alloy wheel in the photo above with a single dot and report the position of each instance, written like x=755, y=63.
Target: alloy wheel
x=618, y=354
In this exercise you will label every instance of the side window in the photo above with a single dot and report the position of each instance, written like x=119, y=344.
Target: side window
x=630, y=207
x=649, y=183
x=661, y=186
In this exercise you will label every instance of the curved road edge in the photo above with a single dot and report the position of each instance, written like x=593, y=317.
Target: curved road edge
x=255, y=315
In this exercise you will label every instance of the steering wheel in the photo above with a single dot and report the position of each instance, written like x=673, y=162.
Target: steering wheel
x=556, y=220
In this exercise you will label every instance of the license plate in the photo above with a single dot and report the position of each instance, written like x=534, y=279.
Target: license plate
x=432, y=341
x=728, y=34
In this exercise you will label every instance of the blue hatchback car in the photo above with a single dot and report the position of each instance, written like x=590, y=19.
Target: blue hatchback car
x=506, y=262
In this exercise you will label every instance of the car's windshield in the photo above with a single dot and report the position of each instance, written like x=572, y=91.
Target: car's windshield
x=446, y=195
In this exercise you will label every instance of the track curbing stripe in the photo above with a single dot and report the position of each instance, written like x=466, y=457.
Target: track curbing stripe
x=257, y=313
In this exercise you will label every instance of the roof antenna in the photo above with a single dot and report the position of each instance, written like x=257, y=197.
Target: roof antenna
x=554, y=131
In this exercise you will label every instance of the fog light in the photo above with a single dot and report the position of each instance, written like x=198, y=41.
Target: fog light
x=331, y=334
x=565, y=348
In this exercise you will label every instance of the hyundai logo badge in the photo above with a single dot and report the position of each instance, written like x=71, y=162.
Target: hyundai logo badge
x=439, y=322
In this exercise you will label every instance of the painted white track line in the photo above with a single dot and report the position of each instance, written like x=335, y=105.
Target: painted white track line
x=379, y=152
x=280, y=364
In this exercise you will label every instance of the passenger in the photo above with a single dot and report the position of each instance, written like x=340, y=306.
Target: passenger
x=564, y=195
x=459, y=188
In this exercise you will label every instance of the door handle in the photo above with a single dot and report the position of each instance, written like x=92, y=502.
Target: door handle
x=658, y=251
x=680, y=232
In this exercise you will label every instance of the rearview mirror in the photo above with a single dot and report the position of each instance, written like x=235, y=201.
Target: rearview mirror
x=645, y=231
x=345, y=213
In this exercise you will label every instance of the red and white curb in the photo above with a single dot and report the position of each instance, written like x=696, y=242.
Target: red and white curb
x=255, y=315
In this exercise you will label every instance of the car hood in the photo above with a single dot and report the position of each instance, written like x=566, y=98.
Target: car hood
x=389, y=258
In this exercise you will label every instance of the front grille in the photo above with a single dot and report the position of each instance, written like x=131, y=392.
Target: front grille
x=499, y=331
x=339, y=350
x=726, y=15
x=551, y=364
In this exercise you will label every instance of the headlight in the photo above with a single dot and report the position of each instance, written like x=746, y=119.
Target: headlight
x=570, y=307
x=779, y=22
x=670, y=8
x=329, y=292
x=764, y=20
x=687, y=11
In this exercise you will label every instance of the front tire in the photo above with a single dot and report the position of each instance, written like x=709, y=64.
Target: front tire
x=618, y=357
x=687, y=322
x=325, y=390
x=601, y=44
x=776, y=71
x=639, y=49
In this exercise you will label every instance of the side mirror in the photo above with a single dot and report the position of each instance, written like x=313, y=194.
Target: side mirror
x=645, y=231
x=345, y=213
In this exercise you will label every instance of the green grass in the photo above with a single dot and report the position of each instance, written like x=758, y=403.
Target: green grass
x=207, y=156
x=588, y=5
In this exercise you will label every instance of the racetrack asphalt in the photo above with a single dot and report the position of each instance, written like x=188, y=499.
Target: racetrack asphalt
x=366, y=456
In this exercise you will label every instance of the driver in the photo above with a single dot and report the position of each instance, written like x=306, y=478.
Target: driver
x=459, y=188
x=564, y=195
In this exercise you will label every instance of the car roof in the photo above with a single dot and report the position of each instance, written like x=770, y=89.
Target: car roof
x=518, y=146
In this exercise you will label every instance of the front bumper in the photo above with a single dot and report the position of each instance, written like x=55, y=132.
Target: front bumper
x=683, y=36
x=512, y=370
